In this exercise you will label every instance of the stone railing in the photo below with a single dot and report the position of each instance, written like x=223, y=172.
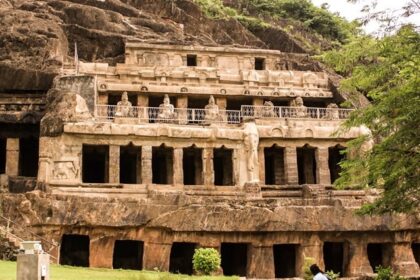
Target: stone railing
x=279, y=112
x=168, y=115
x=208, y=116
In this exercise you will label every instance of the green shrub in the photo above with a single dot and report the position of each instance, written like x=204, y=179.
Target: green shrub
x=386, y=273
x=307, y=274
x=332, y=275
x=206, y=260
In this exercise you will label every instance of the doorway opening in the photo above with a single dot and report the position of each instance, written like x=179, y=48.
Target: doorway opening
x=130, y=164
x=162, y=165
x=306, y=165
x=95, y=163
x=285, y=260
x=128, y=254
x=28, y=156
x=334, y=257
x=334, y=158
x=274, y=166
x=223, y=167
x=3, y=142
x=181, y=258
x=234, y=258
x=74, y=250
x=192, y=164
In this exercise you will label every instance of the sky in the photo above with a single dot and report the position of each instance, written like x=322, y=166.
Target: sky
x=352, y=11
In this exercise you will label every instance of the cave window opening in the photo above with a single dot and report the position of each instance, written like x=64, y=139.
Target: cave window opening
x=306, y=165
x=3, y=144
x=191, y=60
x=74, y=250
x=192, y=164
x=416, y=251
x=234, y=259
x=95, y=163
x=376, y=253
x=334, y=257
x=181, y=258
x=334, y=158
x=285, y=260
x=274, y=166
x=259, y=63
x=28, y=156
x=130, y=164
x=128, y=254
x=223, y=167
x=162, y=165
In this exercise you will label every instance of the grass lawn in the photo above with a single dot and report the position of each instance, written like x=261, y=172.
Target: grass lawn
x=58, y=272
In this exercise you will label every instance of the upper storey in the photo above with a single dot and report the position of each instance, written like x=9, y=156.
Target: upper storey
x=198, y=70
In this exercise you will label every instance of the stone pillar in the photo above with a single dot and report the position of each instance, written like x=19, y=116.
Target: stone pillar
x=208, y=167
x=358, y=260
x=182, y=104
x=114, y=164
x=103, y=99
x=178, y=168
x=142, y=103
x=236, y=165
x=261, y=161
x=260, y=262
x=146, y=165
x=139, y=167
x=101, y=252
x=291, y=166
x=156, y=256
x=310, y=248
x=322, y=170
x=44, y=159
x=402, y=259
x=12, y=156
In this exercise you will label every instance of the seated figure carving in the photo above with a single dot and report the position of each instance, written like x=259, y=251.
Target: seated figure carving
x=124, y=107
x=268, y=110
x=212, y=113
x=166, y=109
x=299, y=110
x=332, y=112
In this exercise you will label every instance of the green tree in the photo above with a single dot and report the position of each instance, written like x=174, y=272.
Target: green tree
x=387, y=71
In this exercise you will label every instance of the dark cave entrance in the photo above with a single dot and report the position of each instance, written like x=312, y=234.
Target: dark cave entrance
x=162, y=165
x=306, y=165
x=223, y=167
x=274, y=166
x=285, y=260
x=334, y=257
x=234, y=258
x=130, y=164
x=95, y=163
x=3, y=144
x=334, y=158
x=181, y=258
x=28, y=156
x=378, y=255
x=416, y=251
x=128, y=254
x=74, y=250
x=192, y=164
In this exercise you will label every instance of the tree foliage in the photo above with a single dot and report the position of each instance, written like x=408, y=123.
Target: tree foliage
x=387, y=71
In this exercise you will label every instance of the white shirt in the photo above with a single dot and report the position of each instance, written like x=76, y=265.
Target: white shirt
x=320, y=276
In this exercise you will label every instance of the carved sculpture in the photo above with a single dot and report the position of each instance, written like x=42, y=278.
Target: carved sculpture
x=310, y=79
x=65, y=170
x=332, y=112
x=212, y=113
x=251, y=141
x=300, y=110
x=268, y=110
x=124, y=107
x=166, y=109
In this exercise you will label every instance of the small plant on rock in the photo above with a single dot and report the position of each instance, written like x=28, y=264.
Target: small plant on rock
x=206, y=260
x=386, y=273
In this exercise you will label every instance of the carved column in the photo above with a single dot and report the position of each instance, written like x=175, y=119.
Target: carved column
x=402, y=257
x=222, y=103
x=146, y=165
x=261, y=262
x=44, y=159
x=114, y=164
x=208, y=167
x=310, y=248
x=322, y=170
x=236, y=167
x=143, y=102
x=261, y=159
x=101, y=252
x=178, y=170
x=12, y=156
x=156, y=256
x=182, y=103
x=291, y=167
x=358, y=259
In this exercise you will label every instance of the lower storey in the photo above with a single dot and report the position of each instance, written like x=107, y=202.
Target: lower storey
x=257, y=255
